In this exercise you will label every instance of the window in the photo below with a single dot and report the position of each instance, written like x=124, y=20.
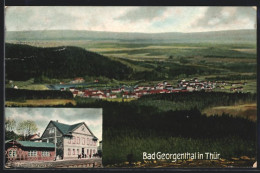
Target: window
x=78, y=140
x=73, y=151
x=83, y=141
x=87, y=141
x=74, y=140
x=69, y=152
x=45, y=153
x=83, y=129
x=77, y=151
x=69, y=140
x=32, y=153
x=51, y=130
x=12, y=153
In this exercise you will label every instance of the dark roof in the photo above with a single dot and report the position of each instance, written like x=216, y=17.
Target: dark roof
x=65, y=128
x=34, y=144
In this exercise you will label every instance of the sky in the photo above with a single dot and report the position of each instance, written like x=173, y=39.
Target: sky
x=156, y=19
x=42, y=116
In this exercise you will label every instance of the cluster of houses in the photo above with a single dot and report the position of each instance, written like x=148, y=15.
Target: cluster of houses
x=197, y=85
x=58, y=141
x=162, y=87
x=124, y=91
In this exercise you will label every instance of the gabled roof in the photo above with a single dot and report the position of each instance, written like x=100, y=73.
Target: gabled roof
x=66, y=129
x=33, y=144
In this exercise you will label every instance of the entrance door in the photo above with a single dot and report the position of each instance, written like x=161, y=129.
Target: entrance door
x=83, y=154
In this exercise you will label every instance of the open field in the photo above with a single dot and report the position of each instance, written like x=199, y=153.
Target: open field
x=41, y=102
x=28, y=85
x=246, y=50
x=133, y=66
x=35, y=87
x=148, y=50
x=120, y=99
x=248, y=111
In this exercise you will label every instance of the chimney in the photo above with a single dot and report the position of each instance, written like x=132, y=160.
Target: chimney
x=57, y=121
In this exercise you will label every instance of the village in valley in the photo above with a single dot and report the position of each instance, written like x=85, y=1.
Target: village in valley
x=137, y=91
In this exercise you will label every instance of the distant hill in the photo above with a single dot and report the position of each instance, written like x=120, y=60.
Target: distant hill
x=228, y=36
x=23, y=62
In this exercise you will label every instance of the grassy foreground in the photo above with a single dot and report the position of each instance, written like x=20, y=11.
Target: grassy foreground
x=41, y=102
x=248, y=111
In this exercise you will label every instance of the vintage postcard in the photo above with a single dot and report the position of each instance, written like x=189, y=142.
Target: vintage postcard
x=177, y=86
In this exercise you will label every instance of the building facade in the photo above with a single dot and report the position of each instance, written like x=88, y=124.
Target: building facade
x=72, y=141
x=28, y=151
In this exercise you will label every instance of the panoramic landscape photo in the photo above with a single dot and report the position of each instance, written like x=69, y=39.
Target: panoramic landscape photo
x=177, y=85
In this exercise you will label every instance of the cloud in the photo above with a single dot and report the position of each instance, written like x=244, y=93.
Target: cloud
x=227, y=17
x=129, y=19
x=142, y=13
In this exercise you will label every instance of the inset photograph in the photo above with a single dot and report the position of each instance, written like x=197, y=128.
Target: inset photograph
x=177, y=86
x=53, y=137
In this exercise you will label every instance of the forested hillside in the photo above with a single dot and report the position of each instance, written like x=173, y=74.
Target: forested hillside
x=24, y=62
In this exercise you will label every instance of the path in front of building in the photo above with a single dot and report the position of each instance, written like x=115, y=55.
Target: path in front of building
x=77, y=163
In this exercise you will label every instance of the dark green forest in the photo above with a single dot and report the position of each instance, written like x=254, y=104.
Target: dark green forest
x=133, y=127
x=195, y=100
x=24, y=62
x=233, y=77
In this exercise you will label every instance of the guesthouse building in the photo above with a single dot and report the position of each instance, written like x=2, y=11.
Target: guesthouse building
x=72, y=141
